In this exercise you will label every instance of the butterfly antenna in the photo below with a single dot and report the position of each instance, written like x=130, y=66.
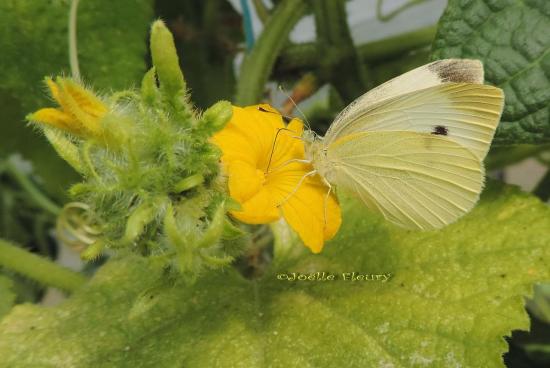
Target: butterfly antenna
x=273, y=147
x=308, y=125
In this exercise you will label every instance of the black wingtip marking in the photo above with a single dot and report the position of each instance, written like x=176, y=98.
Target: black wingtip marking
x=440, y=130
x=286, y=119
x=456, y=71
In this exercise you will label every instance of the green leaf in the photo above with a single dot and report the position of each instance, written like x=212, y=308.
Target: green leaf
x=452, y=297
x=512, y=38
x=111, y=48
x=7, y=296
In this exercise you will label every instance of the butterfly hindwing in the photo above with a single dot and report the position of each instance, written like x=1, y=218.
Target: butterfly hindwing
x=415, y=180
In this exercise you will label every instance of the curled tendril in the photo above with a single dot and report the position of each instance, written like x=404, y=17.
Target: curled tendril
x=77, y=227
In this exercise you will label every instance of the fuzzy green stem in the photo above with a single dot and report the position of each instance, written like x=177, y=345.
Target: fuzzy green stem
x=39, y=269
x=36, y=195
x=73, y=50
x=257, y=65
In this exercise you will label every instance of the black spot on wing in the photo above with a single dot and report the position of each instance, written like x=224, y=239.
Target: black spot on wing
x=440, y=130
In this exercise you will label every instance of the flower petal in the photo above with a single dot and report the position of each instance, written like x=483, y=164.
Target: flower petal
x=86, y=101
x=82, y=109
x=245, y=180
x=260, y=209
x=305, y=213
x=288, y=145
x=249, y=135
x=260, y=155
x=76, y=104
x=53, y=117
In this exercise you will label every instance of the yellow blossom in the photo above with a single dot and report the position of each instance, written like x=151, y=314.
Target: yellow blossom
x=257, y=153
x=79, y=111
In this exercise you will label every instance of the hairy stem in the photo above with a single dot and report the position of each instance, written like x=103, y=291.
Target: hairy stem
x=36, y=195
x=257, y=65
x=73, y=50
x=38, y=268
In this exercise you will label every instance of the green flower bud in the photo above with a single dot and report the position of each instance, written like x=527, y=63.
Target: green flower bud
x=217, y=115
x=165, y=60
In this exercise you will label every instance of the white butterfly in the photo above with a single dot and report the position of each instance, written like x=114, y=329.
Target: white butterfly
x=412, y=149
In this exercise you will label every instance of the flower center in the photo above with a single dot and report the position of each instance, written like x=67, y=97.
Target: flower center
x=262, y=176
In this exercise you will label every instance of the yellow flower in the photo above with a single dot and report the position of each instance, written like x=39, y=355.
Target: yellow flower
x=79, y=111
x=266, y=184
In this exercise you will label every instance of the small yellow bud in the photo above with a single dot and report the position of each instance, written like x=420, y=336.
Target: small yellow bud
x=79, y=112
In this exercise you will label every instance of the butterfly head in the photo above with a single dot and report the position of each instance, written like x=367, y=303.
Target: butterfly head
x=316, y=152
x=309, y=136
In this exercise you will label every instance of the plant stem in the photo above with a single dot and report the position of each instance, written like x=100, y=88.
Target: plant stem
x=341, y=64
x=38, y=197
x=261, y=10
x=384, y=18
x=38, y=268
x=307, y=55
x=73, y=50
x=378, y=50
x=257, y=65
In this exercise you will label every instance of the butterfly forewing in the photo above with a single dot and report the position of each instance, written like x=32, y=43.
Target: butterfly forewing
x=464, y=112
x=426, y=76
x=415, y=180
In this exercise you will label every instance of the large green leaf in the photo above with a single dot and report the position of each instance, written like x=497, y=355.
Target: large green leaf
x=512, y=38
x=112, y=49
x=7, y=296
x=452, y=297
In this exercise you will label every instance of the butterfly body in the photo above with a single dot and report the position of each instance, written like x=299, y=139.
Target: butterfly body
x=413, y=148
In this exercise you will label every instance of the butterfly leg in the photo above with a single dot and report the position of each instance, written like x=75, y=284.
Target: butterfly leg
x=325, y=203
x=302, y=179
x=289, y=162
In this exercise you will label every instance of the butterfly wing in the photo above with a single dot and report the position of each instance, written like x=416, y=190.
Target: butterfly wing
x=464, y=112
x=425, y=76
x=415, y=180
x=444, y=97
